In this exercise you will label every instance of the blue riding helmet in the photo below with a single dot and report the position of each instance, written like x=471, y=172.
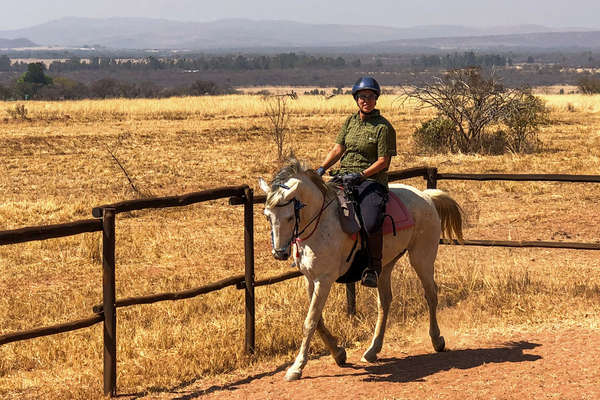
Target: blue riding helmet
x=366, y=83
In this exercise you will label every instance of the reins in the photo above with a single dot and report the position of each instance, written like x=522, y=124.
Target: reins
x=298, y=205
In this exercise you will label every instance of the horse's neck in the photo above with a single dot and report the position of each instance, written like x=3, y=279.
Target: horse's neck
x=329, y=226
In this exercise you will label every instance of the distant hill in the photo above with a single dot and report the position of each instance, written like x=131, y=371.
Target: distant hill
x=244, y=34
x=545, y=40
x=16, y=43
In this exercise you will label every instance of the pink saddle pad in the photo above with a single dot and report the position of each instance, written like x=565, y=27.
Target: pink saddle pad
x=398, y=211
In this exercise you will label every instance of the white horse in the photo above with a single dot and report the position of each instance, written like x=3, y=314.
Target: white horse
x=302, y=212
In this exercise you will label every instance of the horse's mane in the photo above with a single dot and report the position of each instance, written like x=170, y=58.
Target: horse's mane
x=292, y=168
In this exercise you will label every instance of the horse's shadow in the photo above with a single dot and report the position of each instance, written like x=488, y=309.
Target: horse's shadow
x=408, y=369
x=416, y=368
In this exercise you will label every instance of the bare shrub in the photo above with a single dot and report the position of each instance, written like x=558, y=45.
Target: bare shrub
x=466, y=98
x=467, y=105
x=278, y=115
x=19, y=112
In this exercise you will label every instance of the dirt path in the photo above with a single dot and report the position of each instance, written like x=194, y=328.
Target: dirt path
x=551, y=364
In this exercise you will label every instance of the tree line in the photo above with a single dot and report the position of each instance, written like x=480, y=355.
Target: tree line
x=35, y=84
x=280, y=61
x=203, y=63
x=464, y=60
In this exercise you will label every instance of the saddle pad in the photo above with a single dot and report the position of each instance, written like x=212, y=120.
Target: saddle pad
x=397, y=210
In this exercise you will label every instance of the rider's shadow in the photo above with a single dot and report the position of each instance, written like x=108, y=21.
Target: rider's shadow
x=416, y=368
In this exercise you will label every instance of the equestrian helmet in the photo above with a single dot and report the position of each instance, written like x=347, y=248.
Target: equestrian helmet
x=366, y=83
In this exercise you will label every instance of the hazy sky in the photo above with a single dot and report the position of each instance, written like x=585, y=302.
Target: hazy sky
x=397, y=13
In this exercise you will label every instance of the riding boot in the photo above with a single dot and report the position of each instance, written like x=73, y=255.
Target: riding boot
x=375, y=247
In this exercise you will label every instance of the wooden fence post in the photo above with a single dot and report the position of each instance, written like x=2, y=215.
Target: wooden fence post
x=432, y=178
x=249, y=270
x=108, y=302
x=351, y=298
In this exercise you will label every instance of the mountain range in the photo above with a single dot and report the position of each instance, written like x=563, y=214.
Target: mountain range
x=245, y=34
x=16, y=43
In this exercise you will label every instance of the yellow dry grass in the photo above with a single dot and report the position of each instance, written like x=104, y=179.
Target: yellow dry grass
x=55, y=167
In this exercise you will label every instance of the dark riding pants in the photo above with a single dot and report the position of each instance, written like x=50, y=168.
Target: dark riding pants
x=372, y=197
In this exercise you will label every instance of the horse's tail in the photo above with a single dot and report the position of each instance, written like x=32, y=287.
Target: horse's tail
x=450, y=213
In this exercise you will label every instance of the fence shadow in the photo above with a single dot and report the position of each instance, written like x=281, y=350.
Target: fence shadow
x=215, y=388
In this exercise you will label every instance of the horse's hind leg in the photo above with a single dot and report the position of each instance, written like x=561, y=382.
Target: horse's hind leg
x=422, y=257
x=384, y=299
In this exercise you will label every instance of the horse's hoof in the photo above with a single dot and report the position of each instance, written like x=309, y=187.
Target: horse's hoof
x=439, y=344
x=369, y=357
x=340, y=357
x=292, y=376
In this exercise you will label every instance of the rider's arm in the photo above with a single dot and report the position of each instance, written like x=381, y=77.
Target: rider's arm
x=382, y=164
x=334, y=155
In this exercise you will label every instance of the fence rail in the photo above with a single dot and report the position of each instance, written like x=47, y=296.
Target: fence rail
x=33, y=233
x=106, y=312
x=183, y=294
x=172, y=201
x=522, y=177
x=523, y=244
x=50, y=330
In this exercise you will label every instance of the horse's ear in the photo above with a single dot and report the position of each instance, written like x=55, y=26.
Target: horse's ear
x=264, y=185
x=290, y=193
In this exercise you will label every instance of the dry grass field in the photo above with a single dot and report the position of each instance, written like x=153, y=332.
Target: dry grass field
x=56, y=166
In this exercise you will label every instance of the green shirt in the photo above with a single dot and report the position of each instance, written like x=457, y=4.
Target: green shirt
x=365, y=142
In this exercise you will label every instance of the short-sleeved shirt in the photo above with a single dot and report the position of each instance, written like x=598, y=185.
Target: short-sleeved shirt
x=365, y=142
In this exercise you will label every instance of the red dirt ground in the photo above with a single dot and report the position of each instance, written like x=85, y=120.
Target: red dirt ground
x=556, y=363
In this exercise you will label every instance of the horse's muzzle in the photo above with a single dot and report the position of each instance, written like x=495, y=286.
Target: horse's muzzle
x=281, y=254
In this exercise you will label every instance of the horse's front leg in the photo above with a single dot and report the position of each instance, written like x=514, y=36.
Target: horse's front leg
x=338, y=353
x=315, y=310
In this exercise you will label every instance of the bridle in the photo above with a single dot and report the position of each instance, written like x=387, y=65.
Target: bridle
x=296, y=239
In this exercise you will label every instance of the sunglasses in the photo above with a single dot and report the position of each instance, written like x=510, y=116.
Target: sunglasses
x=367, y=97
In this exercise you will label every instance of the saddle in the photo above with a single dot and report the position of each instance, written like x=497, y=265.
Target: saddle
x=396, y=218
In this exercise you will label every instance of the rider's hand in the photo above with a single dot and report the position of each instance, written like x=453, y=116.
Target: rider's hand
x=353, y=179
x=320, y=171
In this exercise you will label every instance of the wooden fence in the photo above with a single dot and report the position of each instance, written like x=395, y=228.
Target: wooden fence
x=105, y=222
x=106, y=312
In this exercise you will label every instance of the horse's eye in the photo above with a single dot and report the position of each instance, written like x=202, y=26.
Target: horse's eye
x=289, y=219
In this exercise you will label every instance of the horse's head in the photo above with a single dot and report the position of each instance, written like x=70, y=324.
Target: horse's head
x=281, y=210
x=293, y=188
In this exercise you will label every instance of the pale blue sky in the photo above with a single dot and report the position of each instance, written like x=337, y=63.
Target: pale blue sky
x=16, y=14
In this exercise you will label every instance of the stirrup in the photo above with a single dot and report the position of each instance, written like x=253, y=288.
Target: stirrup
x=369, y=278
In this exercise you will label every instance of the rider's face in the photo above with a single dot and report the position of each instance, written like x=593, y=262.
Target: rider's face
x=366, y=100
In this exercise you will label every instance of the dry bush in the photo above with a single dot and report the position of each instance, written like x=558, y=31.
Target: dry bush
x=19, y=112
x=468, y=104
x=278, y=115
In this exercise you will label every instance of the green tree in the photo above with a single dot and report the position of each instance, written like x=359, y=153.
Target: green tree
x=29, y=84
x=525, y=114
x=35, y=74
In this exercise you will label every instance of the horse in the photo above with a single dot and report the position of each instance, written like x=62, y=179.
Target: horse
x=302, y=211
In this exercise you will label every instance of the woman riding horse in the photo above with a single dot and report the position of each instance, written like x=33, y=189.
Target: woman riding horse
x=304, y=219
x=365, y=145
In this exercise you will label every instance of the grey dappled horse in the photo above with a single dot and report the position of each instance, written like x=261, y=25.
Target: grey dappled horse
x=302, y=211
